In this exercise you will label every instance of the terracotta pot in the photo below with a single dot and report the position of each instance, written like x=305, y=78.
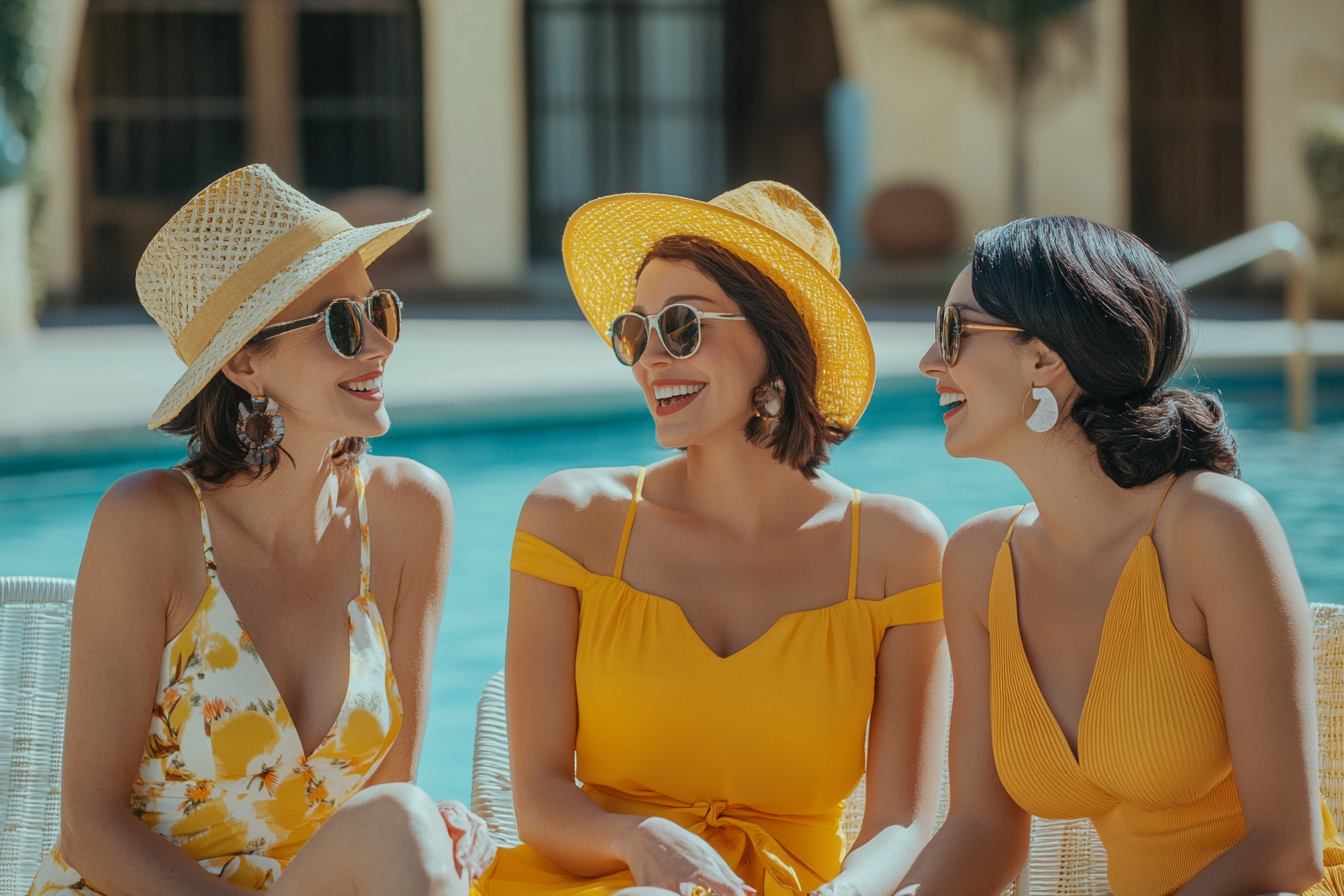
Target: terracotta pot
x=910, y=221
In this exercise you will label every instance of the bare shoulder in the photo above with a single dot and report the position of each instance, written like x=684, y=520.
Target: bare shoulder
x=908, y=535
x=406, y=486
x=1210, y=508
x=582, y=511
x=145, y=505
x=969, y=560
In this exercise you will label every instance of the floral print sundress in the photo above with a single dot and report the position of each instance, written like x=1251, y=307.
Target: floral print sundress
x=224, y=776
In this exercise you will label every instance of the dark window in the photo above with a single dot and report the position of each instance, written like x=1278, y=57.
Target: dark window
x=623, y=95
x=165, y=112
x=1186, y=122
x=360, y=88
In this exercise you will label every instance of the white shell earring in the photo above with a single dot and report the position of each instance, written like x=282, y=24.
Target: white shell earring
x=1046, y=415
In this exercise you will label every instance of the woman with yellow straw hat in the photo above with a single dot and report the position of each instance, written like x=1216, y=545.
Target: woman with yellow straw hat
x=215, y=740
x=717, y=637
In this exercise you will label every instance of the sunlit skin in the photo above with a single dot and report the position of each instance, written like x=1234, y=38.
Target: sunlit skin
x=287, y=550
x=1232, y=594
x=737, y=540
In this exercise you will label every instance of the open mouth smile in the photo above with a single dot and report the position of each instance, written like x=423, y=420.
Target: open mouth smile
x=369, y=388
x=673, y=397
x=953, y=401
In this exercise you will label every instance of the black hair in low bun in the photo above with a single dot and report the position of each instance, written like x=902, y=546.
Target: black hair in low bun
x=1114, y=312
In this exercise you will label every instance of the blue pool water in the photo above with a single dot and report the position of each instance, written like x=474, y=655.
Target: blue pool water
x=44, y=514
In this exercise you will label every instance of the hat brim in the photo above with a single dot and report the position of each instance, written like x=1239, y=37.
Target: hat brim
x=607, y=239
x=263, y=305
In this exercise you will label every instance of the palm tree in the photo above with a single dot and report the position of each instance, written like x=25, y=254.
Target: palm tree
x=1022, y=25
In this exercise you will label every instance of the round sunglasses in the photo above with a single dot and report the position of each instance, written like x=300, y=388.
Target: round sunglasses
x=344, y=322
x=949, y=327
x=677, y=325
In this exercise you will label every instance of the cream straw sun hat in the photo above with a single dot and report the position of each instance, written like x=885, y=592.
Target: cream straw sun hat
x=235, y=256
x=768, y=224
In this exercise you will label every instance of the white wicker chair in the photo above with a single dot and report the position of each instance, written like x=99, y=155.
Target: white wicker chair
x=34, y=679
x=1067, y=858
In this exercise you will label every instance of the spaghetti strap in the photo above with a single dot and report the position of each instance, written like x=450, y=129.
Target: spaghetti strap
x=205, y=524
x=1013, y=524
x=1160, y=502
x=629, y=524
x=363, y=529
x=854, y=551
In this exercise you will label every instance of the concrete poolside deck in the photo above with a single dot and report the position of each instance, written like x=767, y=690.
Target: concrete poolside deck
x=82, y=389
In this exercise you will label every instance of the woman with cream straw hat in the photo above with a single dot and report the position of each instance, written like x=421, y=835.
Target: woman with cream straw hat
x=264, y=737
x=712, y=635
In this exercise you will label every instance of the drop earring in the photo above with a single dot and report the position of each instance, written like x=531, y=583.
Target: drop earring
x=1046, y=415
x=767, y=401
x=260, y=430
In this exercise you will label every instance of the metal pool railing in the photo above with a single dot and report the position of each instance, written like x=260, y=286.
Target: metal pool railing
x=1298, y=302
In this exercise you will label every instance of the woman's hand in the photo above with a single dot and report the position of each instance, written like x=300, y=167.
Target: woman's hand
x=663, y=854
x=473, y=850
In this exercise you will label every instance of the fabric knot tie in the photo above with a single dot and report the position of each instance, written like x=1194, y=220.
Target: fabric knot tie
x=712, y=809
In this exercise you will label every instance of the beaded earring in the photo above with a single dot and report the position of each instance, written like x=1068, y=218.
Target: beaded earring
x=260, y=430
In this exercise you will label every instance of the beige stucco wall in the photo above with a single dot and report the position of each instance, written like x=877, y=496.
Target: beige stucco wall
x=939, y=105
x=58, y=148
x=1294, y=59
x=475, y=140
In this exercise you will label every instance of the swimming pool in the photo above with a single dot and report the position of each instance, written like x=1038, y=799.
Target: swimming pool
x=44, y=514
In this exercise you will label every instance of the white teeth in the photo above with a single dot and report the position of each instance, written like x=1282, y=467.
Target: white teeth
x=661, y=392
x=367, y=385
x=946, y=398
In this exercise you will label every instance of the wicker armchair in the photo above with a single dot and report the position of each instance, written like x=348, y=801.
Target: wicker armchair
x=34, y=679
x=1066, y=859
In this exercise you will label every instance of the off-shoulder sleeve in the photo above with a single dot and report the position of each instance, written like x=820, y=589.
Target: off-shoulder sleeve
x=922, y=604
x=538, y=558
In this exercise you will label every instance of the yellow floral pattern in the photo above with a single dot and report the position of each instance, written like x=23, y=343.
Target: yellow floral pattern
x=224, y=776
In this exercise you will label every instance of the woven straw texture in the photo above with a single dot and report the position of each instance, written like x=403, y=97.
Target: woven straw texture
x=770, y=225
x=203, y=253
x=34, y=679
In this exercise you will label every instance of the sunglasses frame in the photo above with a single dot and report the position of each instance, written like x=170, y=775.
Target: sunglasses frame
x=949, y=322
x=653, y=324
x=361, y=311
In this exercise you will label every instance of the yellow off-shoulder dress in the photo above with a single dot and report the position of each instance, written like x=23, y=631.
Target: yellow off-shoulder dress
x=755, y=752
x=224, y=776
x=1153, y=770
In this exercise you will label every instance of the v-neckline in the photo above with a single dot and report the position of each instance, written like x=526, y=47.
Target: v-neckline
x=1075, y=752
x=275, y=689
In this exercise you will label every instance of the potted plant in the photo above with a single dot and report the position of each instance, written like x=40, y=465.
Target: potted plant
x=1323, y=148
x=22, y=77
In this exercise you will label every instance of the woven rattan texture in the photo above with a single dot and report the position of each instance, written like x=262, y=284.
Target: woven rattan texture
x=769, y=225
x=1328, y=626
x=219, y=231
x=34, y=680
x=491, y=782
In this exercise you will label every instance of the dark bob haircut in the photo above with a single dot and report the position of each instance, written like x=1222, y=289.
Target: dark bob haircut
x=802, y=437
x=1114, y=312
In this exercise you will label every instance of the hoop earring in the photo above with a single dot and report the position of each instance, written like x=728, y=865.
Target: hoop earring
x=1046, y=415
x=260, y=430
x=767, y=401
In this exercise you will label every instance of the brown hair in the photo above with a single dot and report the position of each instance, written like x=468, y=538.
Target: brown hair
x=215, y=455
x=802, y=436
x=1114, y=311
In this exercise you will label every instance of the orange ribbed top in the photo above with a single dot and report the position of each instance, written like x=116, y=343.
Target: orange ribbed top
x=1153, y=770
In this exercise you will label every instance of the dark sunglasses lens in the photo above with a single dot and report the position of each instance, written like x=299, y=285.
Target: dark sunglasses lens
x=385, y=314
x=681, y=330
x=949, y=335
x=343, y=329
x=629, y=335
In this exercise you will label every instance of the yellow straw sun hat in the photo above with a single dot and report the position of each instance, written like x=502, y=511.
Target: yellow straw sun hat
x=235, y=256
x=768, y=224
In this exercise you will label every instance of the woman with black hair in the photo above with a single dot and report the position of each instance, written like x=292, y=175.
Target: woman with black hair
x=1133, y=646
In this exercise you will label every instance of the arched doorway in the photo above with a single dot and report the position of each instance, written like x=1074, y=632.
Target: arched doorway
x=173, y=93
x=672, y=96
